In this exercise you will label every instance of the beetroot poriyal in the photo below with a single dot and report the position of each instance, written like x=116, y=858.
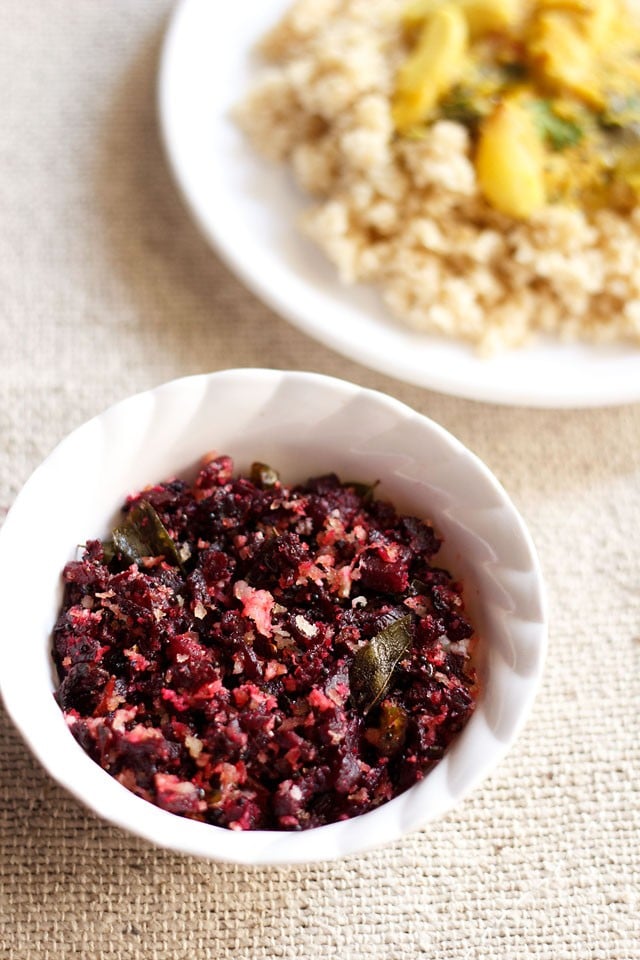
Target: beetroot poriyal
x=263, y=656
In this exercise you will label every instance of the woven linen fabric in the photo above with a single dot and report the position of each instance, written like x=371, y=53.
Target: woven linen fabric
x=107, y=289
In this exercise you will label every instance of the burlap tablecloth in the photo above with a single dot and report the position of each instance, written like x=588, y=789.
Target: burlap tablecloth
x=107, y=289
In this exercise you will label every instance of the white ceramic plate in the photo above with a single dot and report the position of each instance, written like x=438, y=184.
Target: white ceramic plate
x=303, y=424
x=248, y=210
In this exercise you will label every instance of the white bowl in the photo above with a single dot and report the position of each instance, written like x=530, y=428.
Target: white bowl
x=303, y=424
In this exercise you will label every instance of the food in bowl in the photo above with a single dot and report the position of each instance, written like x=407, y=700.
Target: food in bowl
x=297, y=419
x=262, y=656
x=476, y=159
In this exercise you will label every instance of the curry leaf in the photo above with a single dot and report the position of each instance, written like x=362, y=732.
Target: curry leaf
x=108, y=551
x=560, y=132
x=365, y=491
x=461, y=106
x=374, y=663
x=143, y=534
x=264, y=476
x=389, y=736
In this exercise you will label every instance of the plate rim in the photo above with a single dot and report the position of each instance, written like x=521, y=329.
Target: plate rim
x=613, y=391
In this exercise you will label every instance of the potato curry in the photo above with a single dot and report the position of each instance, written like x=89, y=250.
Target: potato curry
x=549, y=91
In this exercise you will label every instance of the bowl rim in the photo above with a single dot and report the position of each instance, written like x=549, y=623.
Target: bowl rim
x=355, y=835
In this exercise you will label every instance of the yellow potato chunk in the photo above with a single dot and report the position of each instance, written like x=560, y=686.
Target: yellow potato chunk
x=482, y=16
x=563, y=57
x=596, y=20
x=510, y=161
x=434, y=66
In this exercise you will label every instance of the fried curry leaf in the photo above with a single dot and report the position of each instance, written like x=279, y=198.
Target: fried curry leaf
x=264, y=476
x=560, y=132
x=108, y=551
x=389, y=736
x=460, y=106
x=373, y=665
x=364, y=490
x=143, y=534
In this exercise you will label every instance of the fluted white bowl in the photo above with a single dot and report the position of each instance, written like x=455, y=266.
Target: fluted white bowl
x=303, y=424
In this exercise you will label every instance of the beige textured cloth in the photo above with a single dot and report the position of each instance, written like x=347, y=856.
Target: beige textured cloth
x=107, y=289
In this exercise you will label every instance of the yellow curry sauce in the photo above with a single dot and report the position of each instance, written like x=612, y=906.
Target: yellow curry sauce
x=550, y=92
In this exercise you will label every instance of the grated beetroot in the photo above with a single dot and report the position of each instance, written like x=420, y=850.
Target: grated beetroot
x=220, y=687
